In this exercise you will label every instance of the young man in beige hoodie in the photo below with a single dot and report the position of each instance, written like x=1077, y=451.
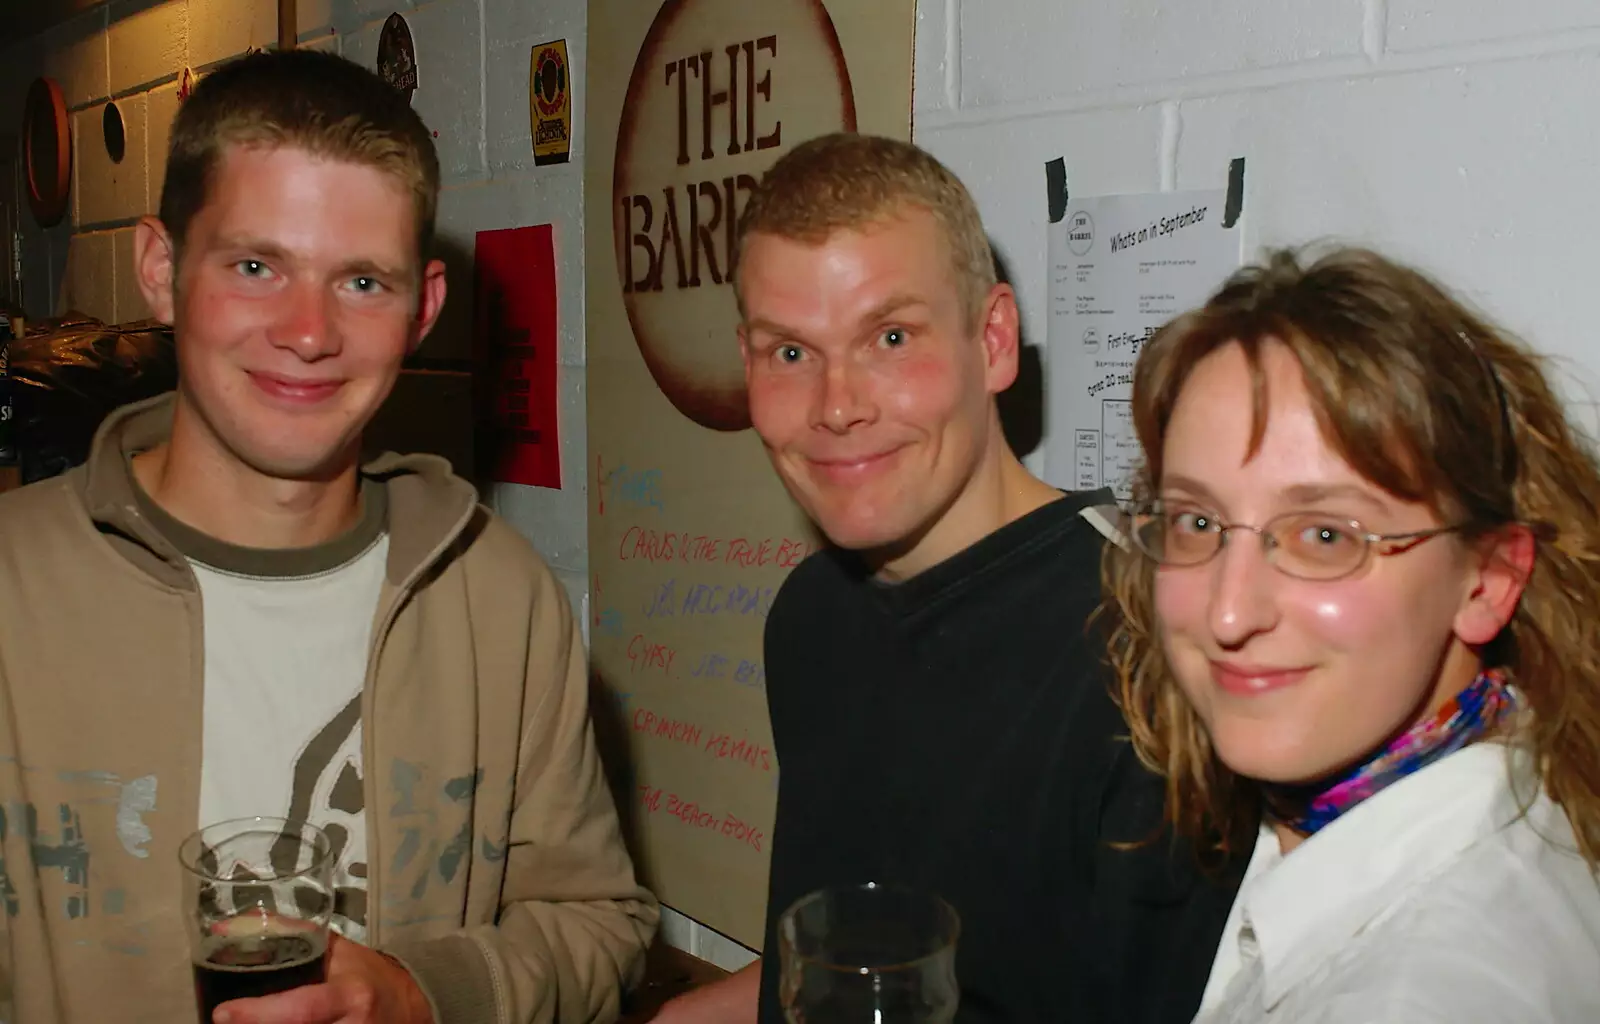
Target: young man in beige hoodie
x=224, y=614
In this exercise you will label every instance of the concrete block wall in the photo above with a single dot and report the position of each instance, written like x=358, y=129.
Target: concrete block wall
x=1456, y=134
x=127, y=52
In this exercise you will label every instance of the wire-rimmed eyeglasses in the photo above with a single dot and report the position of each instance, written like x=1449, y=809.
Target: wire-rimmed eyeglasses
x=1304, y=545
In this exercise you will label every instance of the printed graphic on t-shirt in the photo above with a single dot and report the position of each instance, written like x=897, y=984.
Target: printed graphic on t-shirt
x=327, y=792
x=286, y=659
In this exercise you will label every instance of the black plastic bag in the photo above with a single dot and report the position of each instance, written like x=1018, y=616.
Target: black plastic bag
x=69, y=373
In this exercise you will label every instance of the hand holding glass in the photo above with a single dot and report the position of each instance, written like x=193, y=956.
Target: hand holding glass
x=258, y=898
x=870, y=953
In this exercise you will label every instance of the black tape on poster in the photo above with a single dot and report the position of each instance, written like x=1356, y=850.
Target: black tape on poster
x=1055, y=180
x=1235, y=202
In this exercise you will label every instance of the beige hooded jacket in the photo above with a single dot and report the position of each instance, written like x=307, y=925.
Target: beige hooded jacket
x=497, y=873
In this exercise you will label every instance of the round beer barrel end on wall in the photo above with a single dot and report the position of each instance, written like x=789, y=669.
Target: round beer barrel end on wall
x=47, y=152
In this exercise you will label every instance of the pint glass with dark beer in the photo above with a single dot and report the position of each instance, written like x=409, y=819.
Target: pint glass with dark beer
x=258, y=898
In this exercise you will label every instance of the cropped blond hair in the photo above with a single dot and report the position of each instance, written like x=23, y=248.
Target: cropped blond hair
x=847, y=181
x=309, y=100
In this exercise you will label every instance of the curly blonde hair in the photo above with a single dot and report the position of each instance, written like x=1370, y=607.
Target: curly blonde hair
x=1434, y=404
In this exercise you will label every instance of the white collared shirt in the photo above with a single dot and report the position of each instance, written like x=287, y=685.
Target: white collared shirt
x=1431, y=902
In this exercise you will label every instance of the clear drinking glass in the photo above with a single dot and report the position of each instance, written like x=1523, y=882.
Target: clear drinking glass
x=258, y=898
x=870, y=953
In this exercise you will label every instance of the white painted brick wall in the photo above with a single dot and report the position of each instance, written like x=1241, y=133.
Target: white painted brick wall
x=127, y=302
x=449, y=43
x=315, y=18
x=91, y=262
x=110, y=192
x=1018, y=50
x=74, y=54
x=1457, y=134
x=146, y=44
x=1423, y=24
x=219, y=29
x=161, y=106
x=1484, y=173
x=511, y=31
x=348, y=15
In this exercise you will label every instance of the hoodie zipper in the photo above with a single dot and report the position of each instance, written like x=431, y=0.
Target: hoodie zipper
x=369, y=773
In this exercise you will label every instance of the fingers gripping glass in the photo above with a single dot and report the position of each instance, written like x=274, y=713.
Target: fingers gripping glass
x=258, y=899
x=1305, y=545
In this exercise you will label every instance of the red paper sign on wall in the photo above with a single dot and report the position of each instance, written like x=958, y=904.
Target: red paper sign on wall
x=515, y=336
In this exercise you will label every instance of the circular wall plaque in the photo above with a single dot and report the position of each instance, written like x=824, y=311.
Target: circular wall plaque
x=47, y=151
x=397, y=57
x=691, y=147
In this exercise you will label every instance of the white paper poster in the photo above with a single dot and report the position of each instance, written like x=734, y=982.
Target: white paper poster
x=1120, y=268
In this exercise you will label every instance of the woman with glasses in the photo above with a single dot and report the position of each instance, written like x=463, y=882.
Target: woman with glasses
x=1359, y=631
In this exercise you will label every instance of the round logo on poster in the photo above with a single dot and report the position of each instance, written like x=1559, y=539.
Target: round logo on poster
x=719, y=90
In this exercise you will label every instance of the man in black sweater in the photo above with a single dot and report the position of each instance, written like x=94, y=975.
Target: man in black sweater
x=940, y=703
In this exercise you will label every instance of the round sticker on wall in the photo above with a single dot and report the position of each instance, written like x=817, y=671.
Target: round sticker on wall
x=700, y=125
x=397, y=56
x=550, y=103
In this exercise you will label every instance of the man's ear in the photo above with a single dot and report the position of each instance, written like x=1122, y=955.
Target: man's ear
x=430, y=301
x=1504, y=564
x=155, y=268
x=1002, y=332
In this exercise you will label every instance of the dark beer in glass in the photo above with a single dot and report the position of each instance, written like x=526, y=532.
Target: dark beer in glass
x=258, y=898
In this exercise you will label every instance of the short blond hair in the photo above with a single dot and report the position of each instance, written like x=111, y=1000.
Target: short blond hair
x=848, y=181
x=304, y=99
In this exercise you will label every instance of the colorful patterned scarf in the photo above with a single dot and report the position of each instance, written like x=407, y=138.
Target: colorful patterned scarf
x=1471, y=714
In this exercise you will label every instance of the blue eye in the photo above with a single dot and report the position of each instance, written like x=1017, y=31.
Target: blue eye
x=251, y=268
x=894, y=337
x=789, y=353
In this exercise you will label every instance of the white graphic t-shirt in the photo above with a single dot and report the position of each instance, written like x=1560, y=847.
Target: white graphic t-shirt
x=287, y=640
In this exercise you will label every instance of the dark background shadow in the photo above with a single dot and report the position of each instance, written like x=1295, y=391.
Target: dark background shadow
x=610, y=718
x=431, y=408
x=1022, y=404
